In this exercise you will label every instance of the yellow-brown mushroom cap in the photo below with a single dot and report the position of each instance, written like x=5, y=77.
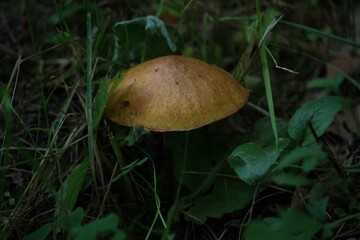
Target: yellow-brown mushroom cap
x=174, y=93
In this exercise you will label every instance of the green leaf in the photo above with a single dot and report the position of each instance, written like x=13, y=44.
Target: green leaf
x=291, y=225
x=69, y=190
x=296, y=225
x=41, y=233
x=309, y=156
x=318, y=113
x=331, y=85
x=227, y=196
x=252, y=161
x=107, y=224
x=317, y=203
x=263, y=136
x=72, y=220
x=142, y=39
x=100, y=102
x=290, y=180
x=260, y=231
x=71, y=224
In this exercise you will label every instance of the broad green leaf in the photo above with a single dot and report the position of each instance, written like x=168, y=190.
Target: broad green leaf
x=142, y=39
x=227, y=196
x=252, y=161
x=318, y=113
x=69, y=190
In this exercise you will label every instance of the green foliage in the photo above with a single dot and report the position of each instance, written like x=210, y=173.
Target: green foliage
x=290, y=225
x=273, y=172
x=330, y=85
x=287, y=179
x=142, y=39
x=69, y=190
x=318, y=115
x=100, y=102
x=226, y=197
x=71, y=225
x=261, y=134
x=318, y=203
x=307, y=157
x=252, y=161
x=6, y=120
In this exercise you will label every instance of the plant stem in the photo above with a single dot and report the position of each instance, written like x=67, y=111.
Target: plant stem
x=266, y=75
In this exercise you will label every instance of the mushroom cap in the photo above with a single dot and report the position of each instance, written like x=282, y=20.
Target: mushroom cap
x=174, y=93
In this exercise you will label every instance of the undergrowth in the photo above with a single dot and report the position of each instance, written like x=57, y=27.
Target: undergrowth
x=285, y=166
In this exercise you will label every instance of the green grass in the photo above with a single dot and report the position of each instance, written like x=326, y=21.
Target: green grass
x=284, y=167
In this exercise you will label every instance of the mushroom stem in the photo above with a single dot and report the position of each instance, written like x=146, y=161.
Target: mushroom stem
x=169, y=166
x=174, y=208
x=180, y=202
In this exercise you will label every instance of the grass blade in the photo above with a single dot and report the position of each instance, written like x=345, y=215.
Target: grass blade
x=266, y=75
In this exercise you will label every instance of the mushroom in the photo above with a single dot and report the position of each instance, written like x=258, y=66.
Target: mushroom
x=174, y=93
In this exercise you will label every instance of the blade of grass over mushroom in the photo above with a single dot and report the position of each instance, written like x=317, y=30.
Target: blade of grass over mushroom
x=266, y=75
